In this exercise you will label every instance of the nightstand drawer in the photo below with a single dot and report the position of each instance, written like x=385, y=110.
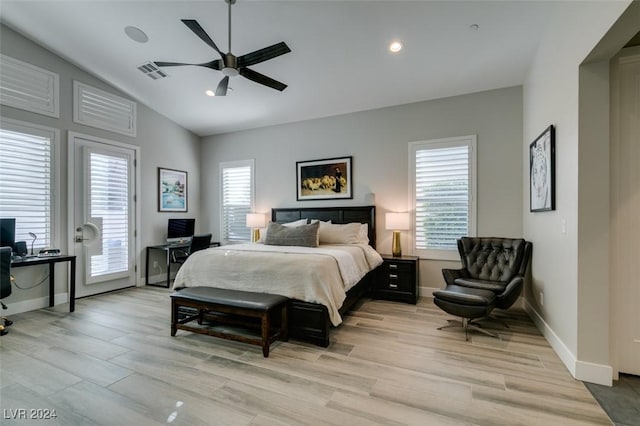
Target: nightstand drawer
x=394, y=267
x=394, y=284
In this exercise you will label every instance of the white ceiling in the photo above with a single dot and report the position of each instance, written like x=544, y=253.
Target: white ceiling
x=339, y=61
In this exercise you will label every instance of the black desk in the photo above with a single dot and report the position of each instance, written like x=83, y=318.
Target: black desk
x=51, y=261
x=168, y=249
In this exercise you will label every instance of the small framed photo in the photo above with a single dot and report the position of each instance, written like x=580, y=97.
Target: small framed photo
x=172, y=190
x=326, y=179
x=542, y=172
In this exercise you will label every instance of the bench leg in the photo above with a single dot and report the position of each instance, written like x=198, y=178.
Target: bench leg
x=265, y=334
x=174, y=317
x=284, y=322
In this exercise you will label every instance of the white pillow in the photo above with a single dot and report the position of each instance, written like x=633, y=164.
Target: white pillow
x=295, y=223
x=363, y=234
x=339, y=234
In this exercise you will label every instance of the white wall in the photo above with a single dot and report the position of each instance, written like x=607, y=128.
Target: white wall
x=162, y=142
x=378, y=141
x=565, y=267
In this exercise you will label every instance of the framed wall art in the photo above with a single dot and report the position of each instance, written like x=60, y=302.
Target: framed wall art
x=326, y=179
x=172, y=190
x=542, y=172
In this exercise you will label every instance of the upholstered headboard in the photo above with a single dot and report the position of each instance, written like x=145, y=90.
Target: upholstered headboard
x=360, y=214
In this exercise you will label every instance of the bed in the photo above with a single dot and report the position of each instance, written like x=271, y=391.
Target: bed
x=319, y=304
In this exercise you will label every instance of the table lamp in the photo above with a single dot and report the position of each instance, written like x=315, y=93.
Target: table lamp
x=255, y=221
x=396, y=222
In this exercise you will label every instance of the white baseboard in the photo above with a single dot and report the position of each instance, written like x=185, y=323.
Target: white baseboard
x=589, y=372
x=34, y=304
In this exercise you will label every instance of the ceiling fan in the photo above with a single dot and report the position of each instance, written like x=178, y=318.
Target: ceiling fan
x=232, y=65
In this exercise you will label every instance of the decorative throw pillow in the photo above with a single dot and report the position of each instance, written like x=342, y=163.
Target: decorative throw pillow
x=295, y=223
x=331, y=233
x=303, y=236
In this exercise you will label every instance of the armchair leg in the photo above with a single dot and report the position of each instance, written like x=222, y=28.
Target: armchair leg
x=467, y=325
x=496, y=319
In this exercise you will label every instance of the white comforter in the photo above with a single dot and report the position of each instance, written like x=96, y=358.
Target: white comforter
x=317, y=275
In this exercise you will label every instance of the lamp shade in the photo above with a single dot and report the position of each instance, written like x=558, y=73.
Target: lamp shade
x=397, y=221
x=256, y=220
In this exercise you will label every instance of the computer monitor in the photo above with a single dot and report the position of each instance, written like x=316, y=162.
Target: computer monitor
x=8, y=232
x=180, y=230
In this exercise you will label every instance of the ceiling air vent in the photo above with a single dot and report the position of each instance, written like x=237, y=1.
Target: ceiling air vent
x=152, y=71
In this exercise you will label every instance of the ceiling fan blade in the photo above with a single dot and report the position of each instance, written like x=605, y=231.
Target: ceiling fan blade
x=262, y=79
x=221, y=90
x=214, y=65
x=170, y=64
x=263, y=54
x=200, y=32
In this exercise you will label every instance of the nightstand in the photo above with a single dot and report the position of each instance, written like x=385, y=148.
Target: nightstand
x=397, y=279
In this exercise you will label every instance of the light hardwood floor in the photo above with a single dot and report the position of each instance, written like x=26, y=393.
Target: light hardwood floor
x=113, y=362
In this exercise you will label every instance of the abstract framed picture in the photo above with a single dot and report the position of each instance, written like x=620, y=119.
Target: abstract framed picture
x=542, y=172
x=326, y=179
x=172, y=190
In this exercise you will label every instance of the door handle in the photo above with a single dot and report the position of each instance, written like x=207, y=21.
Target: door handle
x=94, y=229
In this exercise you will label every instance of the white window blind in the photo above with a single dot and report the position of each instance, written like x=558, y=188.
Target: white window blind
x=236, y=199
x=444, y=195
x=103, y=110
x=28, y=87
x=109, y=200
x=26, y=181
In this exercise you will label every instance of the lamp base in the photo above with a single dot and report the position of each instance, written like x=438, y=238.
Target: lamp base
x=396, y=250
x=255, y=236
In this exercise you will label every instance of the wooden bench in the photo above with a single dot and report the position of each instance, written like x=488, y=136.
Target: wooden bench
x=221, y=306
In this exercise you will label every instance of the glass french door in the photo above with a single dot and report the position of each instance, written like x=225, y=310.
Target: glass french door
x=103, y=180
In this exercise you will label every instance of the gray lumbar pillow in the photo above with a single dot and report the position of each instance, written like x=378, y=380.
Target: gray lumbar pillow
x=304, y=236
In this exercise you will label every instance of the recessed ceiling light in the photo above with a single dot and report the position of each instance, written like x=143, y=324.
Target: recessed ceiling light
x=474, y=27
x=136, y=34
x=395, y=47
x=210, y=93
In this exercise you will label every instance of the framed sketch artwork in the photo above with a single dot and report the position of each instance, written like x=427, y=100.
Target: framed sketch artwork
x=172, y=190
x=326, y=179
x=542, y=179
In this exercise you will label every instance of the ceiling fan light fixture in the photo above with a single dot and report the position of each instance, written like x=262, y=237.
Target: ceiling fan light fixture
x=210, y=93
x=395, y=46
x=230, y=72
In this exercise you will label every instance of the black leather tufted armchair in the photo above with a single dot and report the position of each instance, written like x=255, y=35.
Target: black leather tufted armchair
x=495, y=264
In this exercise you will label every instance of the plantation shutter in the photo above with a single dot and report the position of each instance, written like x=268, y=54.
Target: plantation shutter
x=109, y=201
x=237, y=200
x=26, y=182
x=444, y=194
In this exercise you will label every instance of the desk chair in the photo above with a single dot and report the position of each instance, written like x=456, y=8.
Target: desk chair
x=5, y=284
x=198, y=242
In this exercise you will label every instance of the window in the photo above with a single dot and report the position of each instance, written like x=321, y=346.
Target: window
x=27, y=180
x=443, y=192
x=108, y=201
x=236, y=199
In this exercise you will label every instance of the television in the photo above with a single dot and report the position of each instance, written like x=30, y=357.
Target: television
x=180, y=230
x=8, y=232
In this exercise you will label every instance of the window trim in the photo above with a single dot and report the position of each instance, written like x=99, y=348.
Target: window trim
x=54, y=135
x=227, y=165
x=469, y=141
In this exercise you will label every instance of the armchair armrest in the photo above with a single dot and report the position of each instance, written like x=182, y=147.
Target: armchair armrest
x=450, y=275
x=511, y=292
